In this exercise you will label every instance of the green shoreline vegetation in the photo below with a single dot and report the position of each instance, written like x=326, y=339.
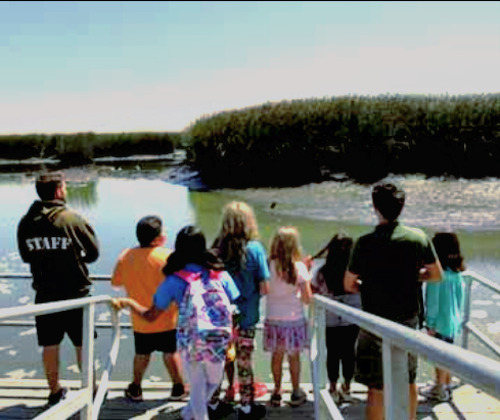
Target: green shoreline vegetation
x=295, y=142
x=302, y=141
x=80, y=148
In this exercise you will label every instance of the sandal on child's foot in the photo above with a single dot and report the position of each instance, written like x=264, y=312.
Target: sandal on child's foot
x=275, y=400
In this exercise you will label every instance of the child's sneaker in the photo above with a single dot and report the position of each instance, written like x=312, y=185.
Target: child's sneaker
x=336, y=397
x=134, y=392
x=437, y=393
x=178, y=393
x=222, y=410
x=255, y=412
x=57, y=396
x=298, y=398
x=345, y=394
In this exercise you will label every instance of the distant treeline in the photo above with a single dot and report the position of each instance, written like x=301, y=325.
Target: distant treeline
x=83, y=147
x=294, y=142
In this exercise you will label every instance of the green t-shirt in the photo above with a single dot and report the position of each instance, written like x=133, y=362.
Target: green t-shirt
x=387, y=262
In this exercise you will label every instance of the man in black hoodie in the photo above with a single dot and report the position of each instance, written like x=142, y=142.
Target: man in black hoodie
x=57, y=243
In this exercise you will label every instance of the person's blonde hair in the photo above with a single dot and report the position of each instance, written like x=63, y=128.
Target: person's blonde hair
x=285, y=252
x=239, y=226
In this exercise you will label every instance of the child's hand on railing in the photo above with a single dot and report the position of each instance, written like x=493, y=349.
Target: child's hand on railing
x=119, y=303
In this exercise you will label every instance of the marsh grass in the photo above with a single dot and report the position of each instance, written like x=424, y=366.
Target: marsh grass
x=294, y=142
x=301, y=141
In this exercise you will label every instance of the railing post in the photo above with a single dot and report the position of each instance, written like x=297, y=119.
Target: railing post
x=465, y=322
x=317, y=315
x=88, y=359
x=396, y=389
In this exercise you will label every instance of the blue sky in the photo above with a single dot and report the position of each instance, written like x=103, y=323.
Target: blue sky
x=158, y=66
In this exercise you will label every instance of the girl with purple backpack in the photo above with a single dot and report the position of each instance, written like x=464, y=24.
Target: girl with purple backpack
x=197, y=282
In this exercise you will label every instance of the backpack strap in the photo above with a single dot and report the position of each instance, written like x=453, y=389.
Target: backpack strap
x=192, y=276
x=188, y=276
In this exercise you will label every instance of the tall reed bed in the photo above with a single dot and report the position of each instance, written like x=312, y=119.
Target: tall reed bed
x=86, y=146
x=298, y=141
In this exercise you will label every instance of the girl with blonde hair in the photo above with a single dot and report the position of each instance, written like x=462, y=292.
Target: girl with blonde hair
x=244, y=256
x=285, y=326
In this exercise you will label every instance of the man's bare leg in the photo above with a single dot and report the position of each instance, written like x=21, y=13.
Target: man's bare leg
x=413, y=401
x=50, y=356
x=78, y=350
x=375, y=404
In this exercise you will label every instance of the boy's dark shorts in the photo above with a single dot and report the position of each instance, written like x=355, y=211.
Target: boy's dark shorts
x=165, y=341
x=369, y=359
x=50, y=328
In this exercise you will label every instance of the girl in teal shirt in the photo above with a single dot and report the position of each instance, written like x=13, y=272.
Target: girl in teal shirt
x=444, y=303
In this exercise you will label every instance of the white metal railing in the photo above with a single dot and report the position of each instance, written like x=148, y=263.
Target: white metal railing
x=31, y=322
x=468, y=326
x=83, y=400
x=397, y=341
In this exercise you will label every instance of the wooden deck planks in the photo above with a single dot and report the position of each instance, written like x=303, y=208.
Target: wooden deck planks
x=25, y=399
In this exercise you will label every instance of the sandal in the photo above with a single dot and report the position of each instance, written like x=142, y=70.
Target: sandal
x=275, y=400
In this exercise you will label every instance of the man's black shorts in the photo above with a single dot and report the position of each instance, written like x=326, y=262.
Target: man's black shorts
x=369, y=369
x=50, y=328
x=165, y=341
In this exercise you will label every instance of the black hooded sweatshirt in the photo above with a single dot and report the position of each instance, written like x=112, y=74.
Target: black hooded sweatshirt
x=57, y=243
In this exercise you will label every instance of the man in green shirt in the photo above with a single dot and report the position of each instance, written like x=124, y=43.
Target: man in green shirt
x=386, y=267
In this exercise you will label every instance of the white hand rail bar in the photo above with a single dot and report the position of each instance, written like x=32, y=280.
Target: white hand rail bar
x=82, y=400
x=397, y=340
x=27, y=276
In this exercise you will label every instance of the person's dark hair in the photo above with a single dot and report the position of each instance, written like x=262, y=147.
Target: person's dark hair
x=337, y=259
x=389, y=200
x=190, y=247
x=148, y=228
x=448, y=251
x=47, y=184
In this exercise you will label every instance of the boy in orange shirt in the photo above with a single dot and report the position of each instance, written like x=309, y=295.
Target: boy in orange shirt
x=139, y=271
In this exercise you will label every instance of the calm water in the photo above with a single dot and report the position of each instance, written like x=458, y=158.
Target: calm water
x=114, y=200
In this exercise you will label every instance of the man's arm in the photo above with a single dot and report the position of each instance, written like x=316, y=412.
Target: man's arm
x=351, y=282
x=80, y=231
x=21, y=244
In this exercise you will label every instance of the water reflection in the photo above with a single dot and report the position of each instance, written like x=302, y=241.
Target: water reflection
x=113, y=207
x=82, y=194
x=114, y=202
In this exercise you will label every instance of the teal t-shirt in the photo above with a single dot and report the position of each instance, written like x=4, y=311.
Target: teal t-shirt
x=444, y=303
x=248, y=282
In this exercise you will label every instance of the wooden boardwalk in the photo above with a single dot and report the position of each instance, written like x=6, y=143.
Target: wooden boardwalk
x=25, y=399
